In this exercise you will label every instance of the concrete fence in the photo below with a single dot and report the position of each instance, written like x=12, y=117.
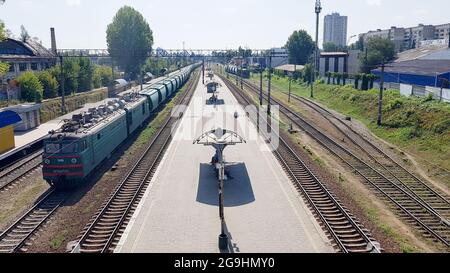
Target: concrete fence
x=407, y=90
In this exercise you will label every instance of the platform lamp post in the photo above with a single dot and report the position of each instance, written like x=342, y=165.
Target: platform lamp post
x=380, y=97
x=261, y=70
x=62, y=79
x=315, y=68
x=269, y=84
x=203, y=71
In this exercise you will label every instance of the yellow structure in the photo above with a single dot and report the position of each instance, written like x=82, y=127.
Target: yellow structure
x=7, y=138
x=7, y=121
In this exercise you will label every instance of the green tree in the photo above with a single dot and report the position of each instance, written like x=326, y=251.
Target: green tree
x=24, y=35
x=358, y=45
x=85, y=75
x=129, y=39
x=102, y=76
x=332, y=47
x=31, y=88
x=300, y=47
x=307, y=73
x=49, y=83
x=378, y=50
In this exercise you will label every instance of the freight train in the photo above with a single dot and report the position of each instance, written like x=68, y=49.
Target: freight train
x=238, y=71
x=80, y=146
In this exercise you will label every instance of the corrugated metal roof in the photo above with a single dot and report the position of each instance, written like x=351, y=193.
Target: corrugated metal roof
x=419, y=53
x=9, y=118
x=419, y=67
x=37, y=50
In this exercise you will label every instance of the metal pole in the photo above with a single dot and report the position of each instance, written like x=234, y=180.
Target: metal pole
x=290, y=80
x=112, y=68
x=63, y=102
x=269, y=84
x=142, y=80
x=380, y=99
x=242, y=66
x=315, y=67
x=223, y=237
x=203, y=71
x=261, y=87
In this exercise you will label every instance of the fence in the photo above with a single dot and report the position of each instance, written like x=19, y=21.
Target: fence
x=406, y=89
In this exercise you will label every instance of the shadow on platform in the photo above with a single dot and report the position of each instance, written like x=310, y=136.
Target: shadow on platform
x=217, y=102
x=238, y=188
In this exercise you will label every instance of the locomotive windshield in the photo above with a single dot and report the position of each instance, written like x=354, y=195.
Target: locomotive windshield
x=61, y=148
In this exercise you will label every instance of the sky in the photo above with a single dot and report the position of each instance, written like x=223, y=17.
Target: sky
x=201, y=24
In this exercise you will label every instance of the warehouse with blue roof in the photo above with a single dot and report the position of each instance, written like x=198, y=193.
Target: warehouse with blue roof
x=425, y=66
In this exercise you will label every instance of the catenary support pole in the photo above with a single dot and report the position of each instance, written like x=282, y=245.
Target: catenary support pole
x=380, y=98
x=63, y=102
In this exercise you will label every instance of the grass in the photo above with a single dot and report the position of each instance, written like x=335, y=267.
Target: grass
x=58, y=240
x=420, y=126
x=16, y=203
x=370, y=211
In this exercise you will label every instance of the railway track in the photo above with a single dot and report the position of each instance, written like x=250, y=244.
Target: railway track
x=347, y=233
x=106, y=228
x=15, y=237
x=416, y=210
x=17, y=171
x=384, y=163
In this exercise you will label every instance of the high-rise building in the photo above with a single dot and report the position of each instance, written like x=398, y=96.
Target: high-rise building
x=335, y=29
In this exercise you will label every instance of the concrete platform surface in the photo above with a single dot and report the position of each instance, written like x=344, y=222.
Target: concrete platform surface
x=179, y=212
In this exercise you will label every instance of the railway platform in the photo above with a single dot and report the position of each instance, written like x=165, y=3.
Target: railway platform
x=179, y=211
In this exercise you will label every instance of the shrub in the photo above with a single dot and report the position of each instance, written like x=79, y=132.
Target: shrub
x=428, y=98
x=442, y=126
x=395, y=104
x=30, y=87
x=49, y=83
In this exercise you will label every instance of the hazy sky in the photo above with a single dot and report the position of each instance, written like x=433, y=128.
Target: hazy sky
x=211, y=24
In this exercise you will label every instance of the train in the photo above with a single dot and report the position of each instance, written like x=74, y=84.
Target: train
x=238, y=71
x=74, y=151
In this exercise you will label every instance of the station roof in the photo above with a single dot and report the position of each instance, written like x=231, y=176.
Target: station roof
x=419, y=67
x=11, y=48
x=9, y=118
x=333, y=54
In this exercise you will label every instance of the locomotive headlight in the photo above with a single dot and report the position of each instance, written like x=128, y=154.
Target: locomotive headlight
x=47, y=161
x=74, y=160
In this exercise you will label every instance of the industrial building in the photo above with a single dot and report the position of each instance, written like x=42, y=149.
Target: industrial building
x=23, y=56
x=434, y=73
x=425, y=66
x=341, y=62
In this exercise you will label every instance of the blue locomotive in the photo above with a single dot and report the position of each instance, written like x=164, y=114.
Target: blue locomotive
x=84, y=142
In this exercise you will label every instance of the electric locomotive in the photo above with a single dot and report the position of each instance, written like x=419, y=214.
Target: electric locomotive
x=72, y=152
